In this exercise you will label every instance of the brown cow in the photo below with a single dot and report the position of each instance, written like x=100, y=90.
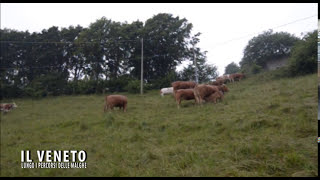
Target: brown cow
x=201, y=91
x=214, y=97
x=115, y=101
x=182, y=85
x=184, y=94
x=237, y=76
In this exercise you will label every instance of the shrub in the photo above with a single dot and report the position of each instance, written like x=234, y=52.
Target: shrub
x=49, y=84
x=255, y=69
x=7, y=91
x=133, y=86
x=118, y=84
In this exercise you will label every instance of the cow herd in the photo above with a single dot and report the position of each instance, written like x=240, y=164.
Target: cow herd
x=181, y=90
x=185, y=90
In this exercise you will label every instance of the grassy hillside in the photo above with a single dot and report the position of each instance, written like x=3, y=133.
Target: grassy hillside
x=263, y=127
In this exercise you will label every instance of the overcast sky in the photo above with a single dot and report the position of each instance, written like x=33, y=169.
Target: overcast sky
x=226, y=28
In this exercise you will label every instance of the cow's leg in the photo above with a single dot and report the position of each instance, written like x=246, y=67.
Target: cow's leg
x=109, y=107
x=214, y=100
x=200, y=100
x=221, y=97
x=196, y=96
x=174, y=94
x=125, y=107
x=178, y=102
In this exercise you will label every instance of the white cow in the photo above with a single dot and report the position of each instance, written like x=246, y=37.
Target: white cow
x=168, y=90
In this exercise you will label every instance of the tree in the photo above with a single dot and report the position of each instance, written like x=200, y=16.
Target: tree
x=108, y=48
x=131, y=48
x=13, y=56
x=50, y=53
x=94, y=43
x=231, y=68
x=267, y=46
x=49, y=63
x=13, y=64
x=74, y=58
x=165, y=45
x=206, y=72
x=303, y=59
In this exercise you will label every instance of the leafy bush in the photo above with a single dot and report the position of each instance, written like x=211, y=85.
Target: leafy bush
x=87, y=86
x=36, y=93
x=255, y=69
x=7, y=91
x=133, y=86
x=119, y=84
x=45, y=85
x=282, y=72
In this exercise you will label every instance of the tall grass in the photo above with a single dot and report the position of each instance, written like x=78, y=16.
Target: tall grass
x=264, y=127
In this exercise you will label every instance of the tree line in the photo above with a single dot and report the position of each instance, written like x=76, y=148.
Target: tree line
x=105, y=55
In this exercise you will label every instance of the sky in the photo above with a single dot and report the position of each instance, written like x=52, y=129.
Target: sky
x=225, y=28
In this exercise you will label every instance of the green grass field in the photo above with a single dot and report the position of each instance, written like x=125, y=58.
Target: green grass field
x=263, y=127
